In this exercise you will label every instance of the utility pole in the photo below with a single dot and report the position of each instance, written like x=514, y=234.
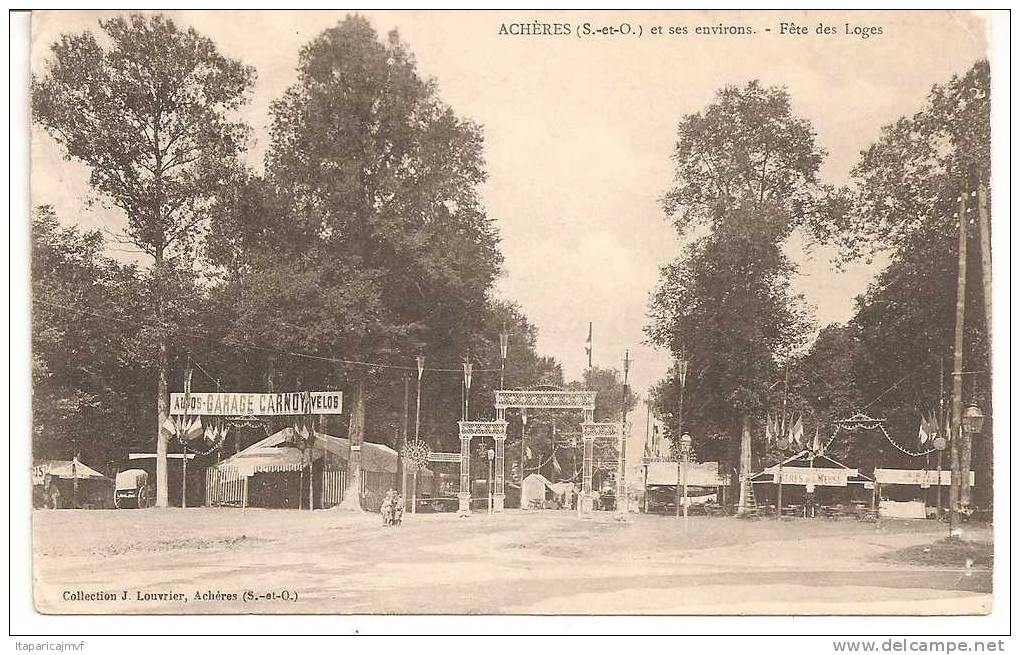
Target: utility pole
x=401, y=472
x=682, y=365
x=984, y=229
x=184, y=435
x=621, y=482
x=648, y=452
x=782, y=454
x=957, y=405
x=524, y=427
x=941, y=427
x=467, y=384
x=504, y=343
x=420, y=360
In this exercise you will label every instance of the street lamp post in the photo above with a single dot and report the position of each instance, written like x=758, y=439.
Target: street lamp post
x=940, y=445
x=622, y=502
x=524, y=427
x=972, y=421
x=783, y=444
x=682, y=365
x=685, y=453
x=492, y=455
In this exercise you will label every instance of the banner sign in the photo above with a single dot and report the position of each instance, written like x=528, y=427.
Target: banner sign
x=258, y=404
x=39, y=473
x=920, y=477
x=822, y=477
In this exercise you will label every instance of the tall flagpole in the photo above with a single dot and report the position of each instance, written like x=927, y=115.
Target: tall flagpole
x=589, y=344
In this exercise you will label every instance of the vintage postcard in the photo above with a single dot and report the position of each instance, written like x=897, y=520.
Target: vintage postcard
x=514, y=312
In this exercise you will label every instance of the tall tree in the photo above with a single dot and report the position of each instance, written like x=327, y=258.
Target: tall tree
x=746, y=177
x=150, y=114
x=87, y=377
x=903, y=199
x=366, y=239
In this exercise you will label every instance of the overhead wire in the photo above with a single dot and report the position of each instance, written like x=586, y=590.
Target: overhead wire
x=209, y=337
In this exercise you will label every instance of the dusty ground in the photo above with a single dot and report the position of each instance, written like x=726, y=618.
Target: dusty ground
x=534, y=563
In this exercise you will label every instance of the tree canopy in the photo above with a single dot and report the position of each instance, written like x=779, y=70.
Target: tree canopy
x=745, y=178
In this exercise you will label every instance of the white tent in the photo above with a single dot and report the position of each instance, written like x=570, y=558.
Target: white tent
x=66, y=470
x=534, y=489
x=703, y=474
x=275, y=450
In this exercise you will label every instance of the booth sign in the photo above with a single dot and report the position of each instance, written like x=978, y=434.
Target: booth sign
x=822, y=477
x=918, y=477
x=257, y=404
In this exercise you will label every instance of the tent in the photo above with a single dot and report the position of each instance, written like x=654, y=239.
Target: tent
x=912, y=493
x=276, y=451
x=78, y=484
x=827, y=481
x=536, y=489
x=703, y=474
x=273, y=470
x=662, y=477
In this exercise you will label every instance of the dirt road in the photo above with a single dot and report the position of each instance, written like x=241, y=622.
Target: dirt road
x=283, y=561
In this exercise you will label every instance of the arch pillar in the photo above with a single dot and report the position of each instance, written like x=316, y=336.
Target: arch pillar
x=587, y=500
x=499, y=495
x=464, y=496
x=468, y=429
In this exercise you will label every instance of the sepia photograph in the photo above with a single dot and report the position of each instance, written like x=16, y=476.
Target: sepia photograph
x=515, y=313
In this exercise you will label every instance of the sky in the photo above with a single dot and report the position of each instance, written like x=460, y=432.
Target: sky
x=579, y=132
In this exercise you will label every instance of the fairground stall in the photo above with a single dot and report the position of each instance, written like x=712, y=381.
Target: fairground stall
x=274, y=472
x=59, y=484
x=913, y=493
x=664, y=480
x=814, y=485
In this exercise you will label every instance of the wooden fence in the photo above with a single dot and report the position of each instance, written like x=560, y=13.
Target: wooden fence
x=334, y=481
x=224, y=485
x=274, y=486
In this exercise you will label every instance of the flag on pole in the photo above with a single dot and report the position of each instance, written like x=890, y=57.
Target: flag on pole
x=933, y=426
x=797, y=433
x=817, y=446
x=556, y=464
x=770, y=434
x=170, y=425
x=923, y=431
x=194, y=429
x=587, y=345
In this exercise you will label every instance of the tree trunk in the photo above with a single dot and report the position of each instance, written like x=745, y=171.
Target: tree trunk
x=355, y=437
x=162, y=392
x=745, y=462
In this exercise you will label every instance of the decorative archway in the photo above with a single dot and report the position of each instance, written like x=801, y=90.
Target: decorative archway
x=523, y=399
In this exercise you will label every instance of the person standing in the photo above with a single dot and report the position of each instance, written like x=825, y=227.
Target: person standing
x=387, y=508
x=398, y=509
